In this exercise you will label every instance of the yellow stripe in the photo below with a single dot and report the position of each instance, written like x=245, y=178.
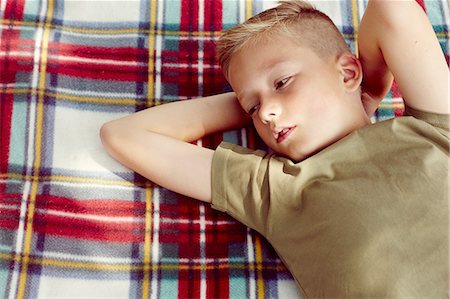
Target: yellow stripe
x=259, y=261
x=355, y=24
x=151, y=55
x=37, y=161
x=391, y=106
x=248, y=9
x=147, y=242
x=148, y=190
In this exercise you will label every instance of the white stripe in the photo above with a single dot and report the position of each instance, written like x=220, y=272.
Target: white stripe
x=30, y=151
x=158, y=52
x=2, y=8
x=244, y=137
x=8, y=207
x=361, y=9
x=194, y=65
x=155, y=244
x=242, y=7
x=109, y=260
x=156, y=225
x=19, y=241
x=251, y=260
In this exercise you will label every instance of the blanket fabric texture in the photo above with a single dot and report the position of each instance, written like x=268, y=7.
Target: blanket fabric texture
x=75, y=223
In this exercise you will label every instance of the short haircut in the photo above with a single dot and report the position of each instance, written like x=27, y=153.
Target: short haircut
x=298, y=20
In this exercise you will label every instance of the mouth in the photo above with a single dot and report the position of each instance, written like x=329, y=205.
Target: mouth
x=284, y=134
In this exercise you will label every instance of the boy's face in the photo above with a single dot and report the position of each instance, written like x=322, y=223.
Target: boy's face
x=297, y=101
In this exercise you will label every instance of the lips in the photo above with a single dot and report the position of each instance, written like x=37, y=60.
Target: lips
x=283, y=134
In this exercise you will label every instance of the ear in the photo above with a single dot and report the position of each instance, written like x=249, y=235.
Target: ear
x=351, y=71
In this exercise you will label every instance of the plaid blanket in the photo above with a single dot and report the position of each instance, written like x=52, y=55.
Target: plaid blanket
x=73, y=222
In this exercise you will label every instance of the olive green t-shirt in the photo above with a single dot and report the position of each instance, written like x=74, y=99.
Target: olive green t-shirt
x=366, y=217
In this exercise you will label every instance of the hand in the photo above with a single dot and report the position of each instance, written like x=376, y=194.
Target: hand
x=370, y=103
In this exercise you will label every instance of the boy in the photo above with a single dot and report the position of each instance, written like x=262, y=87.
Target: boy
x=353, y=209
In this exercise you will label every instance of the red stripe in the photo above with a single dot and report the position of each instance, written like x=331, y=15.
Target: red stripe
x=87, y=70
x=213, y=16
x=189, y=15
x=6, y=107
x=188, y=49
x=218, y=283
x=99, y=71
x=10, y=36
x=88, y=229
x=111, y=208
x=47, y=219
x=395, y=90
x=14, y=10
x=81, y=231
x=189, y=283
x=9, y=41
x=109, y=53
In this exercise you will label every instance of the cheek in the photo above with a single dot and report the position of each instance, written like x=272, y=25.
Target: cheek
x=264, y=133
x=260, y=128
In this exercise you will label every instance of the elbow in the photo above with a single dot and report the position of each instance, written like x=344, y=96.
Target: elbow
x=110, y=136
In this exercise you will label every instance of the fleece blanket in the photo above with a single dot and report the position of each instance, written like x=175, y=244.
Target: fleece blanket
x=73, y=222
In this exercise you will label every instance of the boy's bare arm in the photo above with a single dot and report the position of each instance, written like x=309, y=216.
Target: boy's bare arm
x=397, y=38
x=155, y=142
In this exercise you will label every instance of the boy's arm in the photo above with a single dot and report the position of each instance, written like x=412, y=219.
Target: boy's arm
x=155, y=142
x=396, y=37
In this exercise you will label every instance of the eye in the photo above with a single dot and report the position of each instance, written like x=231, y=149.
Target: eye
x=281, y=83
x=253, y=110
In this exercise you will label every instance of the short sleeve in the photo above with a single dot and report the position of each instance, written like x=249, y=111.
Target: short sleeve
x=240, y=185
x=440, y=121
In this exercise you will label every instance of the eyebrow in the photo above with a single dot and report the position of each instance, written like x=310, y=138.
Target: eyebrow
x=275, y=63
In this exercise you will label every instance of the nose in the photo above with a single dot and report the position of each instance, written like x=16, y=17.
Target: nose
x=269, y=111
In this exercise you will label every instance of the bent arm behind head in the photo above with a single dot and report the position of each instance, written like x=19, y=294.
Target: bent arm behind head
x=155, y=142
x=397, y=37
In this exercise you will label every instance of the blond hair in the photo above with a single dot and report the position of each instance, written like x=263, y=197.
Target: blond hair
x=295, y=19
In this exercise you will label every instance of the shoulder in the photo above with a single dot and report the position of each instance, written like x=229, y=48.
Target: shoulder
x=440, y=122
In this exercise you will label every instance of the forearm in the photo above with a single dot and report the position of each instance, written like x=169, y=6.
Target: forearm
x=156, y=142
x=378, y=78
x=188, y=120
x=397, y=37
